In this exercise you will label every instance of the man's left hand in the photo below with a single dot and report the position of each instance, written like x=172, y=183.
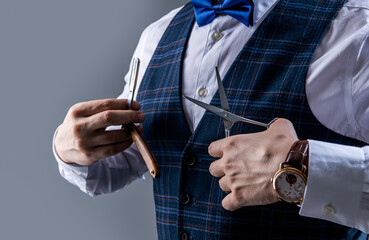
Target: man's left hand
x=248, y=162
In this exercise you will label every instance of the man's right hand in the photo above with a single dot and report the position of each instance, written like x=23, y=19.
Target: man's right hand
x=82, y=138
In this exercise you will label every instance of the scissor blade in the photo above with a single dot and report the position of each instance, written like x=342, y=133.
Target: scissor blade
x=133, y=80
x=218, y=111
x=226, y=115
x=222, y=95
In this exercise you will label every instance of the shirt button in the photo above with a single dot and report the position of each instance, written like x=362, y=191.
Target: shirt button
x=184, y=198
x=189, y=159
x=203, y=92
x=329, y=210
x=183, y=235
x=217, y=36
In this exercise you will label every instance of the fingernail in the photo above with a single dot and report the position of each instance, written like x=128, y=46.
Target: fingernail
x=141, y=116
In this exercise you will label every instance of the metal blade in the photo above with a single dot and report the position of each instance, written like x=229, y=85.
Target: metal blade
x=222, y=94
x=218, y=111
x=226, y=115
x=133, y=80
x=223, y=103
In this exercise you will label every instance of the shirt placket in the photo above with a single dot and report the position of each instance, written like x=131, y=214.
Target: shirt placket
x=206, y=85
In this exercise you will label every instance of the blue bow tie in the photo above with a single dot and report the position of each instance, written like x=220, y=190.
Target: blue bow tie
x=207, y=10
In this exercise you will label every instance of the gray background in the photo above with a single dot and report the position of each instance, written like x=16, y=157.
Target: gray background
x=52, y=55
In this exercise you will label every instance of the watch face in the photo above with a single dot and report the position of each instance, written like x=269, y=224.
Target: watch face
x=290, y=185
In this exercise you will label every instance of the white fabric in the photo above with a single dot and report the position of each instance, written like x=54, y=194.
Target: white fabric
x=337, y=83
x=342, y=166
x=108, y=175
x=337, y=89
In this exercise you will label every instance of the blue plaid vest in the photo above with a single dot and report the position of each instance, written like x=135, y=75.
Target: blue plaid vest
x=265, y=81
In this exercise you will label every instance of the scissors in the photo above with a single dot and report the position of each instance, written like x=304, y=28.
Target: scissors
x=229, y=118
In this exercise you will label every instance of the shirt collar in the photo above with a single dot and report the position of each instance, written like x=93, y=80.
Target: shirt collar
x=261, y=8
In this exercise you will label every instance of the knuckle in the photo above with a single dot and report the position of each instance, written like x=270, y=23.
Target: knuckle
x=266, y=156
x=108, y=117
x=229, y=146
x=79, y=128
x=80, y=144
x=228, y=164
x=132, y=116
x=75, y=110
x=87, y=154
x=237, y=197
x=231, y=180
x=107, y=104
x=284, y=121
x=231, y=141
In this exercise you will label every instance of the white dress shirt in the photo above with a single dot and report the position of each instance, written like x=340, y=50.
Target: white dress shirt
x=337, y=88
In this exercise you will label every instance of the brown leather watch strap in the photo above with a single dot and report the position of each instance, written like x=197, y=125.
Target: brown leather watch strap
x=298, y=156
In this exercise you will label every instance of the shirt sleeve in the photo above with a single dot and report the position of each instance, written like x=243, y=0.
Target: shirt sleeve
x=113, y=173
x=338, y=184
x=338, y=181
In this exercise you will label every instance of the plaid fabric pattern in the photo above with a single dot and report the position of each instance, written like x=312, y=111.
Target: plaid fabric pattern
x=265, y=81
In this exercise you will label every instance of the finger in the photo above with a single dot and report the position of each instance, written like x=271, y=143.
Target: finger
x=110, y=150
x=224, y=185
x=101, y=138
x=140, y=128
x=114, y=117
x=230, y=202
x=90, y=108
x=217, y=169
x=215, y=148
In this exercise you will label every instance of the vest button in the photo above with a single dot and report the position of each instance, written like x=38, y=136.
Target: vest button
x=189, y=159
x=183, y=235
x=184, y=198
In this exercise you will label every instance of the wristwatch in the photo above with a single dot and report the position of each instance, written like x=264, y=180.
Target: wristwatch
x=290, y=180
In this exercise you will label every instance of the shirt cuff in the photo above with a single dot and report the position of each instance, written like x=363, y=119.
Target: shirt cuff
x=334, y=189
x=73, y=173
x=106, y=175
